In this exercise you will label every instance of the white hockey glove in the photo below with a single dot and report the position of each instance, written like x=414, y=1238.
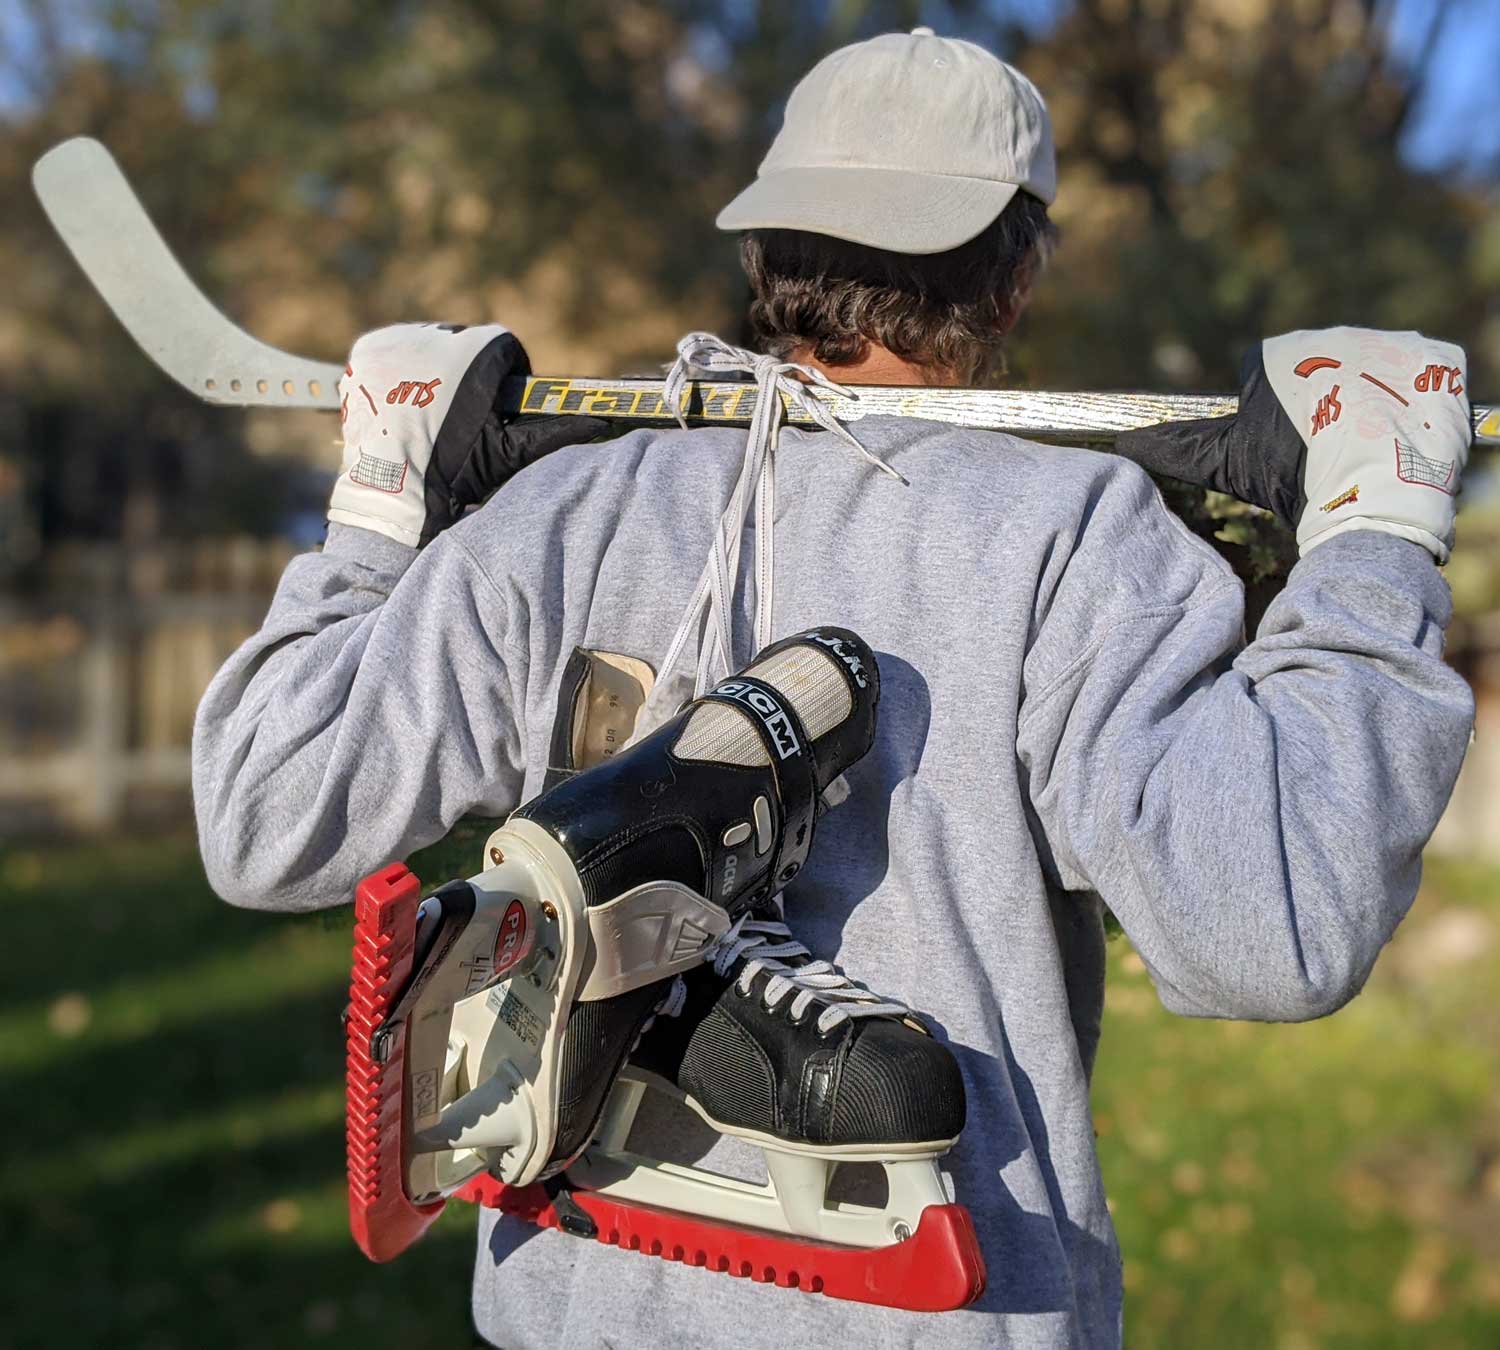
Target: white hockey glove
x=424, y=439
x=1338, y=429
x=1384, y=422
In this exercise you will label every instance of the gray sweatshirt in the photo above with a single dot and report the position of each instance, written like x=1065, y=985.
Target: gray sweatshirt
x=1069, y=712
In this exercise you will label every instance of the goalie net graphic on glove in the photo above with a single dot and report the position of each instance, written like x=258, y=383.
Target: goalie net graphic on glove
x=1412, y=466
x=383, y=475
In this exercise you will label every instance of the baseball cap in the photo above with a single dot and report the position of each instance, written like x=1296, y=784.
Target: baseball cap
x=909, y=142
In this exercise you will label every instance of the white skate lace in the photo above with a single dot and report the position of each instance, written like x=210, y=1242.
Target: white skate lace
x=767, y=945
x=712, y=601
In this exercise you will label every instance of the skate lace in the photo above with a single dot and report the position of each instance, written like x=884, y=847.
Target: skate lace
x=712, y=602
x=767, y=945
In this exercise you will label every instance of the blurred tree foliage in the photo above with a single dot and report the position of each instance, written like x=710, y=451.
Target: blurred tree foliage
x=1229, y=169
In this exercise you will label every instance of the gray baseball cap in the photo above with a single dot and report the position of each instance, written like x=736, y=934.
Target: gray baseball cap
x=908, y=142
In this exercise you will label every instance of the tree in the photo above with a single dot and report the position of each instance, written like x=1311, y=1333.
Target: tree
x=1229, y=168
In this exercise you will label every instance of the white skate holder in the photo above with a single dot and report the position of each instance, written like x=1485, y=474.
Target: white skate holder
x=420, y=1107
x=793, y=1200
x=918, y=1252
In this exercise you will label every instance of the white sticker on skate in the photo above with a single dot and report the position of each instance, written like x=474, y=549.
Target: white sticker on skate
x=523, y=1022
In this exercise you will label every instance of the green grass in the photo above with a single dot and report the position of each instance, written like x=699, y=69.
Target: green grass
x=173, y=1080
x=1332, y=1184
x=173, y=1169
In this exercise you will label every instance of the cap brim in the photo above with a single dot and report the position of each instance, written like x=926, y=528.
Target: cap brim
x=892, y=209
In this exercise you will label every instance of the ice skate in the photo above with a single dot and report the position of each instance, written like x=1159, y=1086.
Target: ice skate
x=488, y=1022
x=816, y=1071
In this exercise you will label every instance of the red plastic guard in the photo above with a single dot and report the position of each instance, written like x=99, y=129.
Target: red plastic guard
x=937, y=1269
x=384, y=1222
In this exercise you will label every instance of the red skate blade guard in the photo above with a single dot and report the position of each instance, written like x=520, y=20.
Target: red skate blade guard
x=383, y=1220
x=937, y=1269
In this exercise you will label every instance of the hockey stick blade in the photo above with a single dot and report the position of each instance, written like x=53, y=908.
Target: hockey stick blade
x=103, y=223
x=101, y=220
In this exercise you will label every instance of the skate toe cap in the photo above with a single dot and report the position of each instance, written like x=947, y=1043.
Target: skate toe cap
x=897, y=1085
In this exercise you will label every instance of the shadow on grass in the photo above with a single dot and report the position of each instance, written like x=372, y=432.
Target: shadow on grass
x=182, y=1185
x=212, y=1065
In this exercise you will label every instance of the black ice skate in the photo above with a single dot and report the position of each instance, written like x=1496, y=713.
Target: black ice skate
x=488, y=1022
x=818, y=1072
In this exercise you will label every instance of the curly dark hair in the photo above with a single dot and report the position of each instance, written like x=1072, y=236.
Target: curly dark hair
x=945, y=311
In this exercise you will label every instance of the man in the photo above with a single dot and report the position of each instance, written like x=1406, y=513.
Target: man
x=1065, y=684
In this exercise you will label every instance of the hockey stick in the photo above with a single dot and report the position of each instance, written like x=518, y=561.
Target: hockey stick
x=104, y=225
x=102, y=221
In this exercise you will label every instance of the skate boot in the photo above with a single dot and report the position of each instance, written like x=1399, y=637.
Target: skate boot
x=489, y=1021
x=783, y=1051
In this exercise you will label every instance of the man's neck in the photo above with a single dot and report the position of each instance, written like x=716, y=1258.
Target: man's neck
x=876, y=365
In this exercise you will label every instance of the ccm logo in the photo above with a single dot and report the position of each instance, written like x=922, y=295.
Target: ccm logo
x=514, y=938
x=771, y=713
x=855, y=666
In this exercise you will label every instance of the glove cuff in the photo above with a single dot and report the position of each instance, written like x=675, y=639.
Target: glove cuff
x=339, y=515
x=1439, y=548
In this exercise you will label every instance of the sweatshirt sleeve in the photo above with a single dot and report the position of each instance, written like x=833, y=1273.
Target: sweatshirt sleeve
x=1253, y=815
x=375, y=708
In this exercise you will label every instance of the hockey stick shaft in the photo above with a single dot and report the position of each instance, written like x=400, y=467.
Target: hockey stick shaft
x=1089, y=418
x=1076, y=418
x=103, y=223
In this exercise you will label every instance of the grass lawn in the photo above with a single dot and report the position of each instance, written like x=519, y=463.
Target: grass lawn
x=173, y=1172
x=1330, y=1184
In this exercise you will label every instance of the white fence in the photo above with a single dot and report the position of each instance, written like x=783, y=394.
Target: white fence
x=100, y=676
x=102, y=668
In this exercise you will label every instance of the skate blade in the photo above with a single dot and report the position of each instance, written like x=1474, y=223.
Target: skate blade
x=484, y=1031
x=939, y=1268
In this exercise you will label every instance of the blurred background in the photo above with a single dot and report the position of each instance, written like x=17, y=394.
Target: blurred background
x=172, y=1174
